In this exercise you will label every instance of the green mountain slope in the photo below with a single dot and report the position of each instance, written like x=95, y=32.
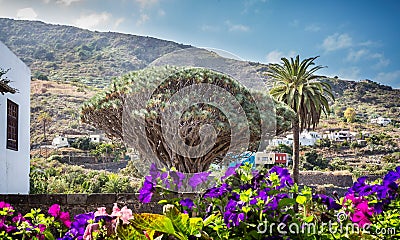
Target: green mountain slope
x=65, y=53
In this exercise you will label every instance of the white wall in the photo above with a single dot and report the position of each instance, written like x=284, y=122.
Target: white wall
x=14, y=165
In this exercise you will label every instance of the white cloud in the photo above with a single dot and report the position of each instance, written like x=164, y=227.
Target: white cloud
x=210, y=28
x=313, y=28
x=275, y=56
x=161, y=12
x=351, y=73
x=147, y=3
x=337, y=41
x=392, y=78
x=92, y=20
x=142, y=19
x=119, y=21
x=382, y=61
x=355, y=56
x=237, y=27
x=26, y=13
x=66, y=2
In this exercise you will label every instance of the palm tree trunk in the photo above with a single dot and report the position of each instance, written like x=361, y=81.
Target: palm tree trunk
x=296, y=155
x=44, y=131
x=296, y=149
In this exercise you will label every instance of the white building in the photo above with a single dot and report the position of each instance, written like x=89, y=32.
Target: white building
x=305, y=139
x=272, y=158
x=381, y=121
x=97, y=138
x=341, y=136
x=60, y=141
x=14, y=125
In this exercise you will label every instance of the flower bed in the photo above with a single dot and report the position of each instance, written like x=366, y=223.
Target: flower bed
x=243, y=204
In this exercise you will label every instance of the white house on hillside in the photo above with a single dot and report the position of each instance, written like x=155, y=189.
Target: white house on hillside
x=60, y=141
x=14, y=125
x=381, y=121
x=305, y=139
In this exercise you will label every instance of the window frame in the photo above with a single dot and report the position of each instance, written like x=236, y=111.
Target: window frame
x=12, y=125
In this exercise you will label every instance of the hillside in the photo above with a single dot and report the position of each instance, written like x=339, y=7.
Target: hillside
x=65, y=53
x=73, y=64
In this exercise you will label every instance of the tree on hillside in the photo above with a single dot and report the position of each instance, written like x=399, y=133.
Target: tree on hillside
x=350, y=114
x=123, y=112
x=297, y=87
x=44, y=118
x=4, y=87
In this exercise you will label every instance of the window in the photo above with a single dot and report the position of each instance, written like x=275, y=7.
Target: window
x=12, y=125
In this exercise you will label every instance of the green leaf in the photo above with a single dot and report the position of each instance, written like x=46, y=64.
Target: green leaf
x=128, y=232
x=301, y=199
x=156, y=222
x=309, y=218
x=209, y=219
x=286, y=202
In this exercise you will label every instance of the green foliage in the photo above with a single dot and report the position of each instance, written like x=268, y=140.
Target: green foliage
x=338, y=164
x=324, y=142
x=312, y=161
x=283, y=148
x=83, y=143
x=350, y=114
x=54, y=177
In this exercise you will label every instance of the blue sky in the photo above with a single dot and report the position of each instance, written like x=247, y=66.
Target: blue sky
x=355, y=39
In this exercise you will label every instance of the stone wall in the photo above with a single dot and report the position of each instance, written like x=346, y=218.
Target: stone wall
x=313, y=178
x=81, y=203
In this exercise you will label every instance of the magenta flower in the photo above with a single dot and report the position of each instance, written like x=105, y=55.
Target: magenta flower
x=54, y=210
x=362, y=211
x=65, y=218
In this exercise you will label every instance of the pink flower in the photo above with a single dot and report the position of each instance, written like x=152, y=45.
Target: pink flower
x=91, y=228
x=116, y=210
x=65, y=218
x=54, y=210
x=101, y=211
x=125, y=214
x=362, y=212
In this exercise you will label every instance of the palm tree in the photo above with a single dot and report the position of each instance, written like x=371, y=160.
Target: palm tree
x=297, y=87
x=44, y=117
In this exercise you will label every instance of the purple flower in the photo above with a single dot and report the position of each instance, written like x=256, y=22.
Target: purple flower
x=146, y=192
x=78, y=226
x=216, y=192
x=187, y=203
x=177, y=178
x=198, y=178
x=19, y=218
x=154, y=172
x=230, y=171
x=273, y=204
x=328, y=201
x=360, y=187
x=392, y=176
x=284, y=176
x=233, y=217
